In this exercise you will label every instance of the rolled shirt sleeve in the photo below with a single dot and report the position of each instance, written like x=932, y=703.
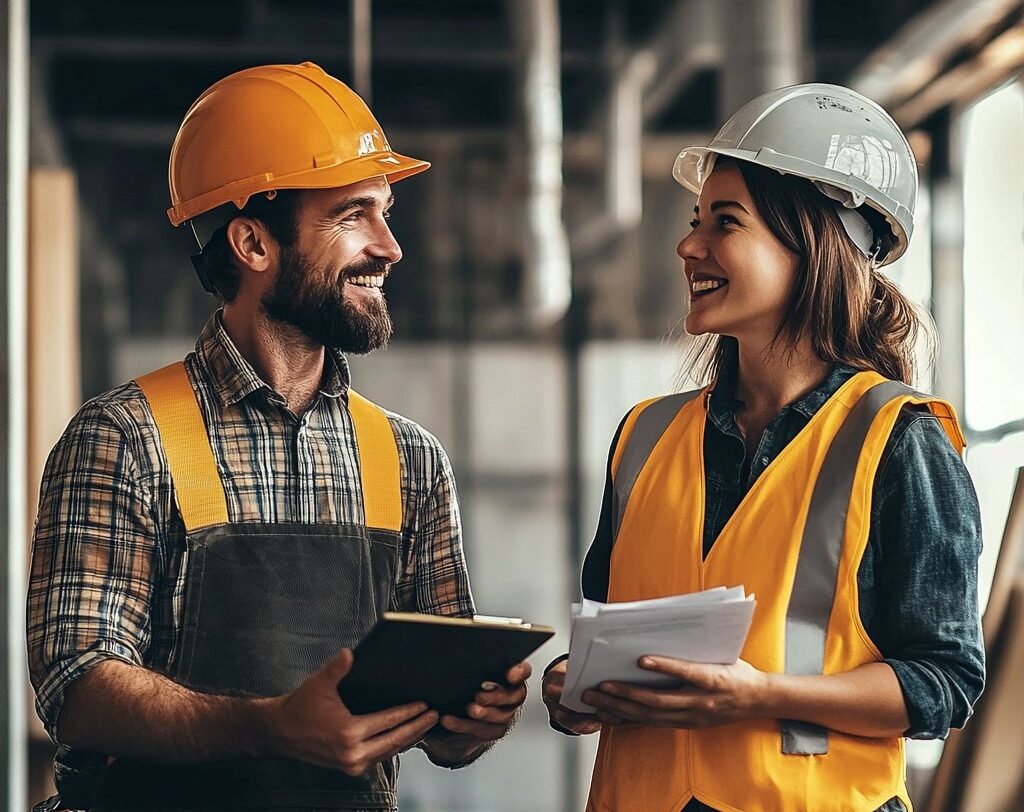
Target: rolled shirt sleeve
x=925, y=543
x=94, y=560
x=435, y=580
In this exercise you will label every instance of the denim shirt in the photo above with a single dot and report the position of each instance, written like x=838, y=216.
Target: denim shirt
x=918, y=580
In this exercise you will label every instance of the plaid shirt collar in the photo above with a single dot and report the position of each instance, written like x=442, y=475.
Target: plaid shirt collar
x=234, y=379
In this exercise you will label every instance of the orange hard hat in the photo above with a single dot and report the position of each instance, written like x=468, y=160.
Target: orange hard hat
x=276, y=127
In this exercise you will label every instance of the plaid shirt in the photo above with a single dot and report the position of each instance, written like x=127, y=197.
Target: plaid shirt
x=106, y=578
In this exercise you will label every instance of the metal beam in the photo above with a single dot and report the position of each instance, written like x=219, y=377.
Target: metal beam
x=947, y=230
x=920, y=51
x=13, y=533
x=998, y=61
x=182, y=50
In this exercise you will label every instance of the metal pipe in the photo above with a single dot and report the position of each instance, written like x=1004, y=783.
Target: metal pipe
x=764, y=49
x=628, y=76
x=13, y=305
x=362, y=48
x=547, y=282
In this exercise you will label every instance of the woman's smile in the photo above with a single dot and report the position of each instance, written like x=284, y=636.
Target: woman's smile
x=704, y=286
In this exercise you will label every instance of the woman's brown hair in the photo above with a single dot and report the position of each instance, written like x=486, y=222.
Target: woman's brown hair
x=851, y=313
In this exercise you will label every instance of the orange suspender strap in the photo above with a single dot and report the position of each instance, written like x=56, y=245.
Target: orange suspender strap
x=378, y=464
x=197, y=484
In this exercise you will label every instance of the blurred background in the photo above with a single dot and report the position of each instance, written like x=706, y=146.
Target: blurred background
x=540, y=295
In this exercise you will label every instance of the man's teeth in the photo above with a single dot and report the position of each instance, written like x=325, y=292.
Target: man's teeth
x=707, y=284
x=367, y=281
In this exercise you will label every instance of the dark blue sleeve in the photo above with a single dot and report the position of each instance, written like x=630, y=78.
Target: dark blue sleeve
x=597, y=564
x=918, y=581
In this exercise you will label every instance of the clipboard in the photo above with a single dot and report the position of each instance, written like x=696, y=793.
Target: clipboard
x=408, y=657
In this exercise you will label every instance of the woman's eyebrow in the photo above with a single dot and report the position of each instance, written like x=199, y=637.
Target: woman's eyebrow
x=720, y=204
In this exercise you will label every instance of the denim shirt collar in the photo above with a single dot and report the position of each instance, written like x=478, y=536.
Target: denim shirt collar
x=722, y=402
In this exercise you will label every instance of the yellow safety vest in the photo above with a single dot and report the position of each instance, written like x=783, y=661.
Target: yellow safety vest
x=796, y=542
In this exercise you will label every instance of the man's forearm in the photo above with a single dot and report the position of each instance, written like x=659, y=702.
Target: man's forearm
x=124, y=710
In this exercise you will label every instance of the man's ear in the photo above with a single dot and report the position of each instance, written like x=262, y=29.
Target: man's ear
x=251, y=244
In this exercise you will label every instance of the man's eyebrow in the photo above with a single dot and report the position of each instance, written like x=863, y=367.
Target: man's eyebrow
x=366, y=201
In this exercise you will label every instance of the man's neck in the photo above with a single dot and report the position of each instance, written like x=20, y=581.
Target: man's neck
x=284, y=357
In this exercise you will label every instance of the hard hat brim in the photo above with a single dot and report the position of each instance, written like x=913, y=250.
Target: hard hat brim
x=690, y=171
x=386, y=164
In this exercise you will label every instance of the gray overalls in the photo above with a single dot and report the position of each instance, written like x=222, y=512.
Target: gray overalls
x=265, y=606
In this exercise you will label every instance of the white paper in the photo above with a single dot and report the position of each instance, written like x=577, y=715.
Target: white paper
x=609, y=638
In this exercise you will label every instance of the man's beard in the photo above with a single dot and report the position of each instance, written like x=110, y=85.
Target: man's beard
x=303, y=297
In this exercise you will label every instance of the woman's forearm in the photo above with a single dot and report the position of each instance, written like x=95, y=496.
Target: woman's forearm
x=867, y=701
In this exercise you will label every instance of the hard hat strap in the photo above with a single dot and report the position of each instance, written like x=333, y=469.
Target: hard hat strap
x=192, y=225
x=859, y=230
x=204, y=277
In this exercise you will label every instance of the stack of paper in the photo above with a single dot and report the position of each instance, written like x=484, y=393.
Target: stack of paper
x=609, y=638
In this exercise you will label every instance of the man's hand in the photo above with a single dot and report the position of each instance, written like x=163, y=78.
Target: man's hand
x=312, y=724
x=712, y=695
x=494, y=709
x=554, y=684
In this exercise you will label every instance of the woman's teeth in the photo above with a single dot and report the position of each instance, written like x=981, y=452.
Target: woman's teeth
x=707, y=284
x=367, y=281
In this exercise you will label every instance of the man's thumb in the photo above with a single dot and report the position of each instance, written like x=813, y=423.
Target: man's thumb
x=340, y=665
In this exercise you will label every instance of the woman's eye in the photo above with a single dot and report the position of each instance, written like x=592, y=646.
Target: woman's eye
x=726, y=220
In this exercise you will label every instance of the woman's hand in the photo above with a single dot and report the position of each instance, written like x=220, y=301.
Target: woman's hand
x=712, y=695
x=554, y=683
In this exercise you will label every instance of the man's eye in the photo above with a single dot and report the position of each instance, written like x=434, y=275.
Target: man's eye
x=387, y=215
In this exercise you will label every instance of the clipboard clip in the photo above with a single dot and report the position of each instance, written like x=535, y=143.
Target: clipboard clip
x=497, y=620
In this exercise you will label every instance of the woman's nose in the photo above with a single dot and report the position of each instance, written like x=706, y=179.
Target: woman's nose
x=691, y=247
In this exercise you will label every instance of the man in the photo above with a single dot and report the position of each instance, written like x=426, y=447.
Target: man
x=213, y=538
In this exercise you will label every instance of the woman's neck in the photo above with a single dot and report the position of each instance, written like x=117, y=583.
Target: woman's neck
x=768, y=379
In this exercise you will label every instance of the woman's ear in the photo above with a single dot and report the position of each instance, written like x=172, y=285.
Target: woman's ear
x=250, y=244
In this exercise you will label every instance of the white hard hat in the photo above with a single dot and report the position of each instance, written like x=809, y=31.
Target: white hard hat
x=845, y=143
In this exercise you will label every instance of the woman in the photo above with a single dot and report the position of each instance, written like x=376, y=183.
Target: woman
x=809, y=472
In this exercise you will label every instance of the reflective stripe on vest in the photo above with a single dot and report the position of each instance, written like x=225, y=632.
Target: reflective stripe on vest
x=198, y=489
x=814, y=588
x=650, y=425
